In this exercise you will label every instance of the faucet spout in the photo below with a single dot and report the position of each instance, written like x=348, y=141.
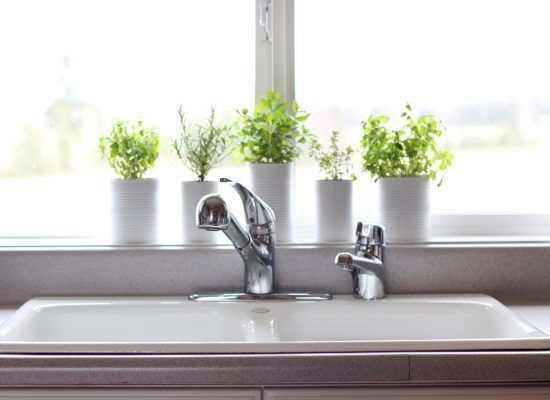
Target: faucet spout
x=366, y=263
x=367, y=273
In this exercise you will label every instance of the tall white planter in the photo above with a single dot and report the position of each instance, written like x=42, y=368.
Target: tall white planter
x=334, y=210
x=274, y=183
x=405, y=208
x=134, y=211
x=191, y=193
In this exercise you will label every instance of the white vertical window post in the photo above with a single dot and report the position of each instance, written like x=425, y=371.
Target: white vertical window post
x=275, y=48
x=275, y=72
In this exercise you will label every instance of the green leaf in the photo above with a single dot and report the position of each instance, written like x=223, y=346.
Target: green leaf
x=272, y=134
x=335, y=163
x=411, y=150
x=201, y=147
x=130, y=149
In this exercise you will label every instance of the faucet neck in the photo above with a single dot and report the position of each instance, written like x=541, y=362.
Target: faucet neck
x=259, y=265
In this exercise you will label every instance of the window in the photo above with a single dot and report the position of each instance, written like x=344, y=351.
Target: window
x=68, y=67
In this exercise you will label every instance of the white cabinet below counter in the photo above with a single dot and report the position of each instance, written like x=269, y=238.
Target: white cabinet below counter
x=435, y=393
x=320, y=393
x=131, y=394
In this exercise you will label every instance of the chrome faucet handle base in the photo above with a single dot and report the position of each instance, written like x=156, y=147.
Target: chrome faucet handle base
x=367, y=286
x=223, y=297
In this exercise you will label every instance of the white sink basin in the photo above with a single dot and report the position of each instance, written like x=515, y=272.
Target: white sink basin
x=176, y=325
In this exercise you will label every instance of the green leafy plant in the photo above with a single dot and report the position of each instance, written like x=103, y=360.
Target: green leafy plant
x=409, y=151
x=335, y=164
x=201, y=147
x=271, y=134
x=130, y=149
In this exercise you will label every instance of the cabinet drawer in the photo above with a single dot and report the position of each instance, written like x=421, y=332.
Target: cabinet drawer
x=452, y=393
x=131, y=394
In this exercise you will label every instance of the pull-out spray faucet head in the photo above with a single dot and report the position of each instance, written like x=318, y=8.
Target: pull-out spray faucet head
x=213, y=213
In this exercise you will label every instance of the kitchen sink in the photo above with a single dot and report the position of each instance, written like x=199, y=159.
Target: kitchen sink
x=344, y=324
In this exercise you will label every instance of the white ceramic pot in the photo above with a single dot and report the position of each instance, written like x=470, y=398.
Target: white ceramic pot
x=405, y=208
x=191, y=193
x=334, y=210
x=134, y=211
x=274, y=183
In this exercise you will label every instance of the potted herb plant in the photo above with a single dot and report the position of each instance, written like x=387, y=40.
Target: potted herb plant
x=269, y=140
x=404, y=160
x=200, y=148
x=131, y=150
x=334, y=193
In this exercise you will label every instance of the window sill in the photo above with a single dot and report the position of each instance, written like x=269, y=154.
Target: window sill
x=9, y=244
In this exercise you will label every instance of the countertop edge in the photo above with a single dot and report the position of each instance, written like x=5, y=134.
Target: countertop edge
x=519, y=367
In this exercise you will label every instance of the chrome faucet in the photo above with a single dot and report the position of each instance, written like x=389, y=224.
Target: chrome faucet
x=367, y=264
x=255, y=245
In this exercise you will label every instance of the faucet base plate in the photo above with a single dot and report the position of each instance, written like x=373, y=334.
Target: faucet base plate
x=259, y=297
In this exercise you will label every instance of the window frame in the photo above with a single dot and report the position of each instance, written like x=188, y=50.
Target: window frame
x=275, y=71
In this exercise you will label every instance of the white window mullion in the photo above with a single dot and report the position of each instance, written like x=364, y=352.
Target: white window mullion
x=275, y=48
x=264, y=51
x=283, y=48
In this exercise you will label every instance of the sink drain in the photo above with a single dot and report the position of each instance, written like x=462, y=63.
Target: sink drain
x=260, y=310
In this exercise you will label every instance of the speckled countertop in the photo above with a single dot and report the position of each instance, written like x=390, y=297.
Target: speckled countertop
x=489, y=268
x=284, y=369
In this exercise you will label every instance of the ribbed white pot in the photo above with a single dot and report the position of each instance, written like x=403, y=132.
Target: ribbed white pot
x=405, y=208
x=274, y=183
x=334, y=210
x=191, y=193
x=134, y=211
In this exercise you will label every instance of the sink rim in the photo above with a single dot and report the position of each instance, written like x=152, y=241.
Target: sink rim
x=538, y=342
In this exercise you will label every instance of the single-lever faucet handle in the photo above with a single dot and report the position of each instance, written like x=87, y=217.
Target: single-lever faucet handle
x=374, y=235
x=362, y=240
x=370, y=238
x=377, y=235
x=256, y=211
